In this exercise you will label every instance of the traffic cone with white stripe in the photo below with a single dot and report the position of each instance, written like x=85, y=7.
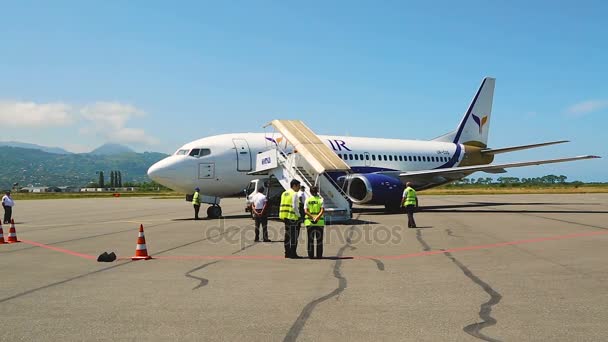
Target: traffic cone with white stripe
x=12, y=233
x=1, y=235
x=141, y=252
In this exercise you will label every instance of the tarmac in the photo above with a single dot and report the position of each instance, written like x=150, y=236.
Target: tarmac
x=493, y=268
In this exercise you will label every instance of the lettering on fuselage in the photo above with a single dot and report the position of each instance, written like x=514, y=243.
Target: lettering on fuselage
x=338, y=145
x=266, y=161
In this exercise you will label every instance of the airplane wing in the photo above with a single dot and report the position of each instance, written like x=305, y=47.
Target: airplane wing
x=496, y=168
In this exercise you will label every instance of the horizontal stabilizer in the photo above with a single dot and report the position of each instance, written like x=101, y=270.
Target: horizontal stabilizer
x=487, y=168
x=518, y=148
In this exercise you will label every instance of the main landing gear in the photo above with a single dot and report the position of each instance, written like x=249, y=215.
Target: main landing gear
x=214, y=211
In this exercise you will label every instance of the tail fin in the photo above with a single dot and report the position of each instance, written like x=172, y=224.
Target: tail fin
x=474, y=127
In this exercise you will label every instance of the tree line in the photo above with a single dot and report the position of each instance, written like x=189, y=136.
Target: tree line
x=115, y=180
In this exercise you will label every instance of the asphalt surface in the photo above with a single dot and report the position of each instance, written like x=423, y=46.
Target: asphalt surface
x=494, y=268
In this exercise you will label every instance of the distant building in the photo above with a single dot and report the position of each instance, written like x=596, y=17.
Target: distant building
x=34, y=189
x=39, y=189
x=125, y=189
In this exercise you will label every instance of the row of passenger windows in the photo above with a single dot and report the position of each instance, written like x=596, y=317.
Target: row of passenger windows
x=391, y=157
x=195, y=152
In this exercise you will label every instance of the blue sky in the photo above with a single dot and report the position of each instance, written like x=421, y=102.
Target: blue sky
x=155, y=75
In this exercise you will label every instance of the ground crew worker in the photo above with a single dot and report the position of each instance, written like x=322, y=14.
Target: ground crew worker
x=7, y=204
x=196, y=202
x=259, y=208
x=289, y=213
x=410, y=202
x=315, y=223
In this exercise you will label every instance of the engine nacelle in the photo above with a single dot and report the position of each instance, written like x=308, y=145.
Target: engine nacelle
x=374, y=188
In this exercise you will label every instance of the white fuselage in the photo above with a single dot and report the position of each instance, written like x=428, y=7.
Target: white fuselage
x=221, y=170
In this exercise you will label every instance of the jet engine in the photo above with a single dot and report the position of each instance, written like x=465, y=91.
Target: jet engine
x=374, y=188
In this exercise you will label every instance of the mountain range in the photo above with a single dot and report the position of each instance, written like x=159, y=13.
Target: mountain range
x=56, y=150
x=37, y=166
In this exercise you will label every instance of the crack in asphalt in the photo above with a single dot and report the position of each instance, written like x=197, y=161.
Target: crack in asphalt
x=243, y=248
x=565, y=221
x=298, y=325
x=450, y=233
x=425, y=246
x=203, y=281
x=300, y=322
x=485, y=308
x=379, y=264
x=61, y=282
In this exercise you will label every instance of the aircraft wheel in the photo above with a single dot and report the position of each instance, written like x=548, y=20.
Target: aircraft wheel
x=214, y=211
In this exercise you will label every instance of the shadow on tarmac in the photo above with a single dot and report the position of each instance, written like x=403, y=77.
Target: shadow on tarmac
x=472, y=207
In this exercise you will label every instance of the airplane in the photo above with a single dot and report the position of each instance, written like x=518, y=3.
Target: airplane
x=220, y=164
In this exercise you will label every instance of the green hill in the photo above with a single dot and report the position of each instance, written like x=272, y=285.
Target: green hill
x=29, y=166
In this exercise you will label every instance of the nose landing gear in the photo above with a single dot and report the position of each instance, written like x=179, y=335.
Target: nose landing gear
x=214, y=211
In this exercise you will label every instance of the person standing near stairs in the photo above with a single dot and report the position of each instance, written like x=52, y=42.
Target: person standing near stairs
x=301, y=201
x=289, y=213
x=259, y=208
x=315, y=223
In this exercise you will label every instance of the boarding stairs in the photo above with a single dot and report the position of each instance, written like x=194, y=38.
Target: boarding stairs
x=300, y=154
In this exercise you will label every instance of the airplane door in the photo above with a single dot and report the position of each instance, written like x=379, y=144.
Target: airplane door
x=243, y=155
x=368, y=161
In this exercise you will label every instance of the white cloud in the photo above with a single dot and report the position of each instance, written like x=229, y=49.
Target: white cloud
x=31, y=114
x=110, y=114
x=132, y=136
x=108, y=120
x=586, y=107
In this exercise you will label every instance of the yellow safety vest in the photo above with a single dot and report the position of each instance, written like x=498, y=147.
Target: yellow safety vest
x=286, y=210
x=314, y=205
x=196, y=199
x=410, y=196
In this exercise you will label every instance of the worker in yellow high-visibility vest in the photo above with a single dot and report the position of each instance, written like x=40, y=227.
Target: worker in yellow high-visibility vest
x=289, y=213
x=315, y=223
x=196, y=202
x=410, y=202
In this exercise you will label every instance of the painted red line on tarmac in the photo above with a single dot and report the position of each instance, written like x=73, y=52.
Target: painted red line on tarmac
x=472, y=248
x=383, y=257
x=222, y=257
x=57, y=249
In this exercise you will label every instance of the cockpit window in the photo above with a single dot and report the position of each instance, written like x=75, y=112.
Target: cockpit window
x=181, y=152
x=205, y=152
x=195, y=152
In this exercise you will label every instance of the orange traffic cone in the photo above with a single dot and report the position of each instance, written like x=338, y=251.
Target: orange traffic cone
x=141, y=252
x=12, y=233
x=1, y=234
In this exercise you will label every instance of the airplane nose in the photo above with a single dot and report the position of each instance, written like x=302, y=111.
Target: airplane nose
x=161, y=171
x=175, y=173
x=154, y=171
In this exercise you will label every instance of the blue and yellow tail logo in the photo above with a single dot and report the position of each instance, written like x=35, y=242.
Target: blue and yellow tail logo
x=480, y=122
